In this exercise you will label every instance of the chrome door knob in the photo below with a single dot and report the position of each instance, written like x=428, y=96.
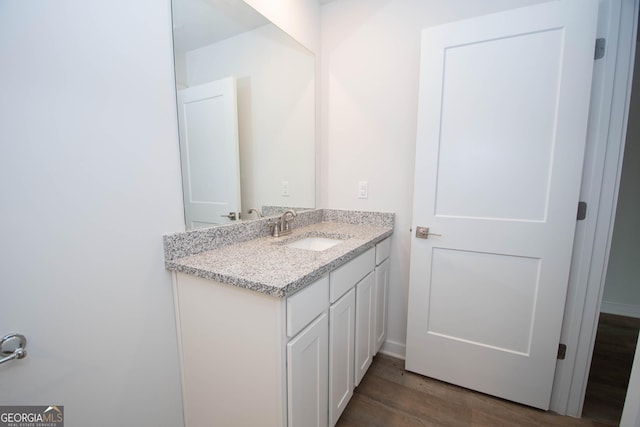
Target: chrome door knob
x=12, y=346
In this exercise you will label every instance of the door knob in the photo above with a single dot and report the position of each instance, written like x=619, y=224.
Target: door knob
x=423, y=233
x=12, y=346
x=231, y=216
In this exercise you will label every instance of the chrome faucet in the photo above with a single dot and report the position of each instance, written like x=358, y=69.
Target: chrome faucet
x=282, y=226
x=256, y=211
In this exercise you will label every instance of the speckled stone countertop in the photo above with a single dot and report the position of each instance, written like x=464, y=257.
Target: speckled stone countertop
x=264, y=264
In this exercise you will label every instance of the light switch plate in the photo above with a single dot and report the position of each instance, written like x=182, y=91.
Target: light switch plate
x=285, y=188
x=363, y=190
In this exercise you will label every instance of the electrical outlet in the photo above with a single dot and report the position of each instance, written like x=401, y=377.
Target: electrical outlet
x=363, y=190
x=284, y=189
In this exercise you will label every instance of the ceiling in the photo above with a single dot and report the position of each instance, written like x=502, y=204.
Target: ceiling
x=198, y=23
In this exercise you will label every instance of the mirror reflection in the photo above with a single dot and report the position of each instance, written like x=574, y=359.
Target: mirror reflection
x=246, y=113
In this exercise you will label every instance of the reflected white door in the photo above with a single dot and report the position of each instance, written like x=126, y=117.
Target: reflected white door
x=501, y=132
x=209, y=152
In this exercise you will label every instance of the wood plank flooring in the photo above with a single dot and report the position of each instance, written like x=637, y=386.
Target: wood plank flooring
x=610, y=367
x=389, y=396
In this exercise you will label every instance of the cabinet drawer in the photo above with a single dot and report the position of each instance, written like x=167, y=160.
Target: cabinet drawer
x=382, y=250
x=346, y=277
x=306, y=305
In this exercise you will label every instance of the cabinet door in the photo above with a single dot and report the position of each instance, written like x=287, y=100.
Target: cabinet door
x=307, y=375
x=365, y=300
x=341, y=347
x=382, y=292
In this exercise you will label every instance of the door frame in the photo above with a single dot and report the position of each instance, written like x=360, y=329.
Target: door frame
x=600, y=185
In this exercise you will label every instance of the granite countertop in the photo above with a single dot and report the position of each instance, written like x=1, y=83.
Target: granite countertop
x=266, y=265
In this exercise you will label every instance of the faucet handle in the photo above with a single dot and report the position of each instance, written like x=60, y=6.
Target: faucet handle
x=285, y=220
x=275, y=229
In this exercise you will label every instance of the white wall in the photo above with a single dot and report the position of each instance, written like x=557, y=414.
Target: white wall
x=276, y=112
x=622, y=285
x=370, y=52
x=89, y=182
x=301, y=20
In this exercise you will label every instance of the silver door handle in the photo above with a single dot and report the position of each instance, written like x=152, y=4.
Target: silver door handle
x=12, y=346
x=423, y=233
x=231, y=216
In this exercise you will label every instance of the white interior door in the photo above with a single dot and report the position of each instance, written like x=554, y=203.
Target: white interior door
x=502, y=122
x=209, y=152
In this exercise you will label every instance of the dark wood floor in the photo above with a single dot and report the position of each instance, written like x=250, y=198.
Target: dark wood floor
x=610, y=367
x=389, y=396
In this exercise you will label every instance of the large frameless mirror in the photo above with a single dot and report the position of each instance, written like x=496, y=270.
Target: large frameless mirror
x=246, y=113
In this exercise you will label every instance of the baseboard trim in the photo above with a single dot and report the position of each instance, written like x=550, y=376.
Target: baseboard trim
x=620, y=309
x=394, y=349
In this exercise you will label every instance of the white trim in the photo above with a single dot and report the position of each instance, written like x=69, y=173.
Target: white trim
x=601, y=178
x=584, y=244
x=176, y=306
x=620, y=309
x=394, y=349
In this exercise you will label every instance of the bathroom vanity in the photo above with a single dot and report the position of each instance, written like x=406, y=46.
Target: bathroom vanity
x=277, y=331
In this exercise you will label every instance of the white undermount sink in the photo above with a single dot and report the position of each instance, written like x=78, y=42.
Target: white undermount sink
x=314, y=243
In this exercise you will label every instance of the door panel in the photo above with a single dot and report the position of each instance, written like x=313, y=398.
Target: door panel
x=508, y=72
x=493, y=288
x=209, y=148
x=501, y=131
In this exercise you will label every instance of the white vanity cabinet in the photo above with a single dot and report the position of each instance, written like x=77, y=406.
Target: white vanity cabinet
x=365, y=325
x=308, y=355
x=383, y=249
x=350, y=323
x=307, y=375
x=342, y=315
x=252, y=359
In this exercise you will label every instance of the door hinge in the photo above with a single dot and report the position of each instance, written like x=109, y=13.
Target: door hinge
x=600, y=48
x=562, y=351
x=582, y=210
